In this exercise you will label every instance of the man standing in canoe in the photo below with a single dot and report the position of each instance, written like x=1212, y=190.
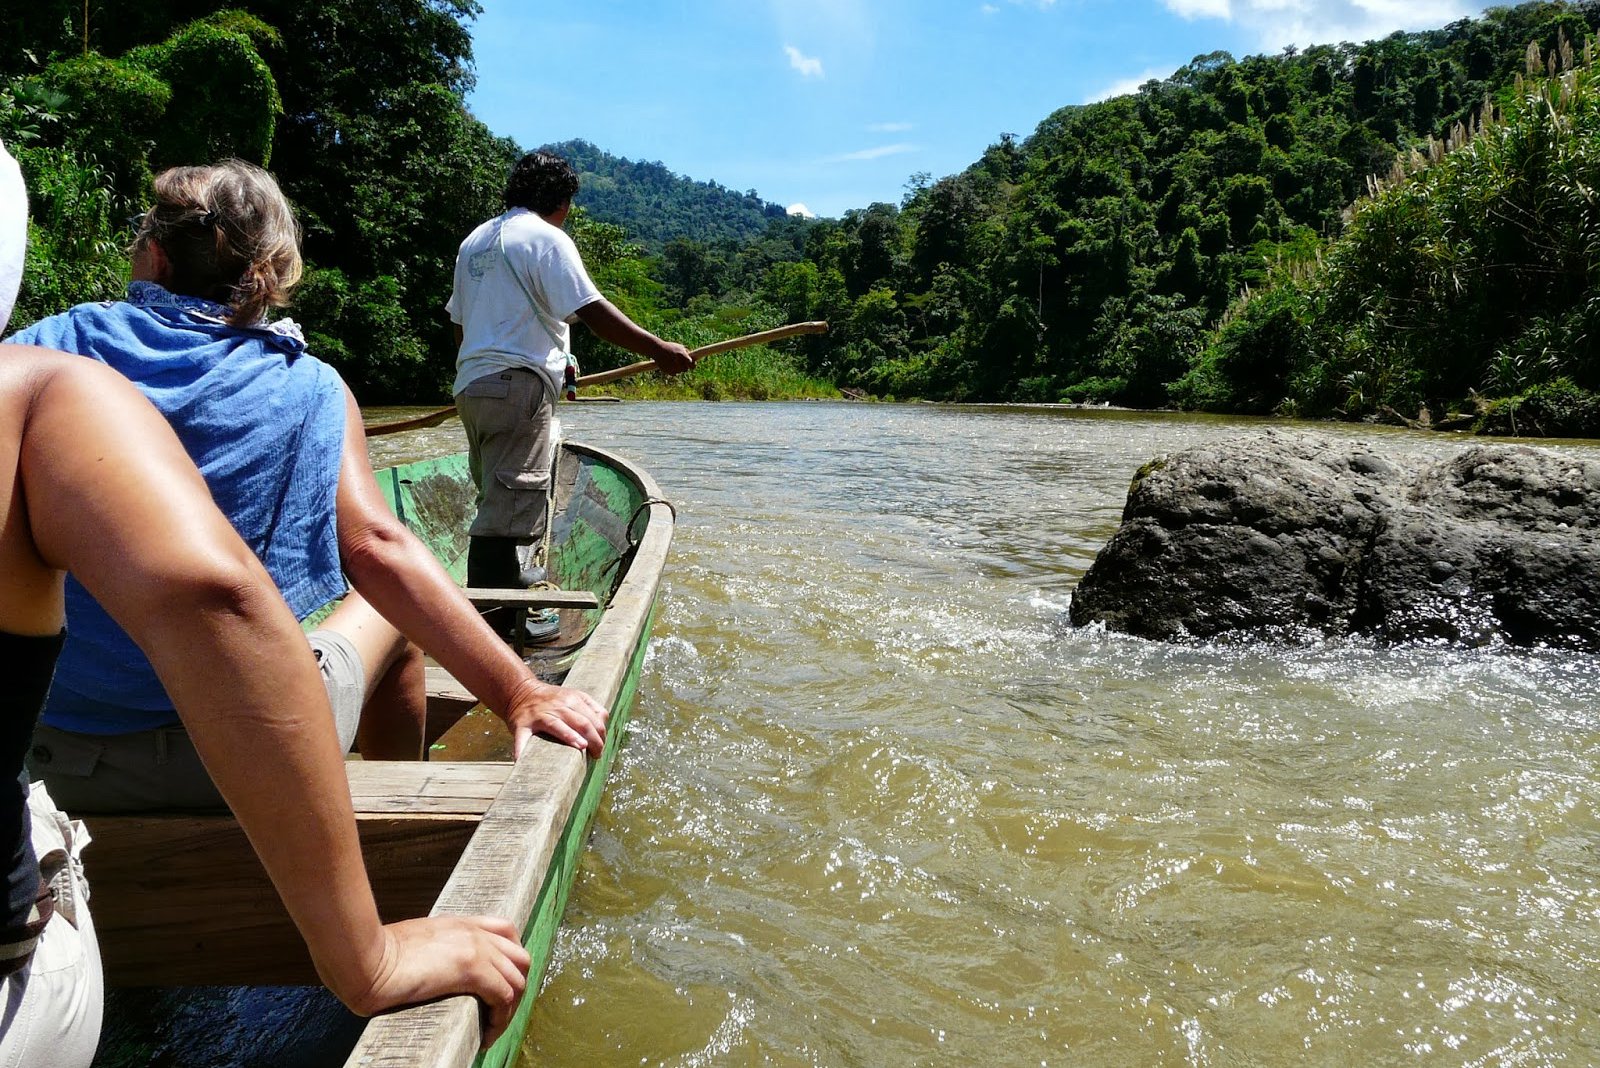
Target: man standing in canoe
x=519, y=283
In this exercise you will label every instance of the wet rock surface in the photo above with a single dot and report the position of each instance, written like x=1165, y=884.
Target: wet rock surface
x=1291, y=537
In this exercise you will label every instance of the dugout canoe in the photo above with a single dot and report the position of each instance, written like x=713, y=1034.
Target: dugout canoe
x=180, y=901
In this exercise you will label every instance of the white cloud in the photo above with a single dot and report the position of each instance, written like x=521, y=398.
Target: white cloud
x=989, y=9
x=890, y=127
x=1126, y=86
x=801, y=210
x=873, y=153
x=848, y=30
x=1277, y=23
x=1201, y=9
x=808, y=66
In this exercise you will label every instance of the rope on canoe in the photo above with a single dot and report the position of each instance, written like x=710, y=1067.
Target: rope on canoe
x=624, y=560
x=639, y=510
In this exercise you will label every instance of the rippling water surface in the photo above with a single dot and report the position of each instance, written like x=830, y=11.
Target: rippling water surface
x=882, y=805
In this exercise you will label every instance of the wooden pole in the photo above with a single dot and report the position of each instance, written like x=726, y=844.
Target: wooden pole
x=762, y=338
x=434, y=418
x=416, y=422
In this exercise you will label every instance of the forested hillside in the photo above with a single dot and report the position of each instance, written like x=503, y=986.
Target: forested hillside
x=1208, y=241
x=1094, y=260
x=656, y=205
x=1467, y=274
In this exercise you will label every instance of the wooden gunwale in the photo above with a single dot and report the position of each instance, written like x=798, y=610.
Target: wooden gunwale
x=520, y=860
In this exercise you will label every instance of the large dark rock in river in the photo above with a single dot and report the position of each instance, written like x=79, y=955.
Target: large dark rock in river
x=1289, y=536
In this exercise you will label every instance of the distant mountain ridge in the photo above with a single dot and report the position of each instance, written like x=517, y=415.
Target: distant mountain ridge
x=656, y=205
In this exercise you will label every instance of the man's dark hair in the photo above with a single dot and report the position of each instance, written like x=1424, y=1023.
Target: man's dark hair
x=541, y=182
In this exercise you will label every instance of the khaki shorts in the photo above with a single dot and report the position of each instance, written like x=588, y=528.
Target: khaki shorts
x=159, y=769
x=50, y=1011
x=510, y=448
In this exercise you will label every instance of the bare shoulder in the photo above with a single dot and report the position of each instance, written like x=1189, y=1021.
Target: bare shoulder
x=71, y=399
x=38, y=367
x=26, y=371
x=37, y=370
x=22, y=360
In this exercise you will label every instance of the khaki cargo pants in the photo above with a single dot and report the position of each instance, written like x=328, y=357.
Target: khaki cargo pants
x=508, y=417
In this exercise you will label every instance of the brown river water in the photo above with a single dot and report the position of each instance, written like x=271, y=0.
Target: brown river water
x=882, y=805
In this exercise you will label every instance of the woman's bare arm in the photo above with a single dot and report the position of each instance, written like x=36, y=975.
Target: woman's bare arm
x=111, y=495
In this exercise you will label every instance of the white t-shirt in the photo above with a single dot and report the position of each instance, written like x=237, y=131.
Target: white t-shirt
x=13, y=233
x=515, y=314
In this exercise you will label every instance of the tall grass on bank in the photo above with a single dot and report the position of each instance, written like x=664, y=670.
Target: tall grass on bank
x=759, y=373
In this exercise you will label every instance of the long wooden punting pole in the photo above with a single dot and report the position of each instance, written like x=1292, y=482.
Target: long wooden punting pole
x=434, y=418
x=792, y=330
x=417, y=422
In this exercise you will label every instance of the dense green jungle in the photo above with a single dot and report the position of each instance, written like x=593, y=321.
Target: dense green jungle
x=1405, y=229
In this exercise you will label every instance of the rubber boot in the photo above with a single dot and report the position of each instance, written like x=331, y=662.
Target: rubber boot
x=492, y=564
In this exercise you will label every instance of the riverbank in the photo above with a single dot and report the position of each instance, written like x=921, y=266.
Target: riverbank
x=769, y=383
x=1512, y=418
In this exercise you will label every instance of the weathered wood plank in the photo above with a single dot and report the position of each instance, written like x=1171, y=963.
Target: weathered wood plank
x=448, y=702
x=552, y=903
x=499, y=874
x=182, y=900
x=443, y=686
x=488, y=598
x=401, y=788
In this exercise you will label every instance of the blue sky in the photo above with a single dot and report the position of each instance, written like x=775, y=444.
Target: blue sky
x=834, y=104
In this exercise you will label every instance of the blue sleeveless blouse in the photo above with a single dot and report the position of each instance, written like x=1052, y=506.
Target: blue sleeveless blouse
x=264, y=423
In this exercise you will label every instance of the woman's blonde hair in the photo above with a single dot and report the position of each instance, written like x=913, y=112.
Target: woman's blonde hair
x=229, y=236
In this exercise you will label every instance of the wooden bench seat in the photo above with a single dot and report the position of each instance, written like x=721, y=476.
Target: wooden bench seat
x=443, y=687
x=525, y=601
x=181, y=899
x=485, y=598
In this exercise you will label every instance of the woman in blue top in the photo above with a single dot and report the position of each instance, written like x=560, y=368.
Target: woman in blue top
x=279, y=440
x=92, y=479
